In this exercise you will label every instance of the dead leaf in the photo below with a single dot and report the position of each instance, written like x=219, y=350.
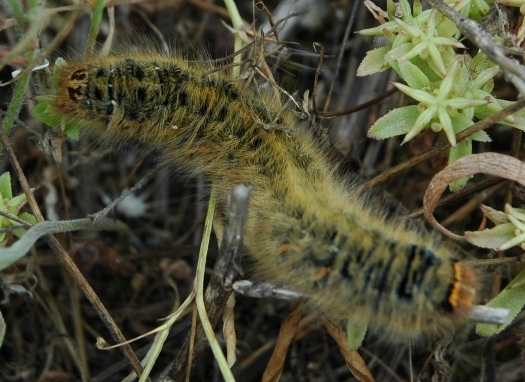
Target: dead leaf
x=353, y=360
x=495, y=164
x=228, y=330
x=287, y=333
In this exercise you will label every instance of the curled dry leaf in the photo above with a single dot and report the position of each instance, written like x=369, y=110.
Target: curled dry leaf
x=353, y=360
x=500, y=165
x=288, y=330
x=228, y=330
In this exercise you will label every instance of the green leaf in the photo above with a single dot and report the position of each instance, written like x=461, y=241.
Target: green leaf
x=17, y=202
x=28, y=218
x=72, y=130
x=60, y=62
x=396, y=122
x=398, y=51
x=3, y=328
x=417, y=8
x=512, y=298
x=45, y=113
x=481, y=136
x=19, y=232
x=404, y=7
x=355, y=333
x=391, y=9
x=492, y=238
x=379, y=30
x=5, y=186
x=446, y=28
x=413, y=76
x=495, y=216
x=461, y=122
x=479, y=62
x=374, y=61
x=518, y=118
x=427, y=70
x=461, y=149
x=478, y=9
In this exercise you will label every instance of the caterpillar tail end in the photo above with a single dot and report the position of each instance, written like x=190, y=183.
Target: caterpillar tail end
x=463, y=292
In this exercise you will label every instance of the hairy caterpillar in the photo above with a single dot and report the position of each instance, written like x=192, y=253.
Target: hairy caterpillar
x=307, y=228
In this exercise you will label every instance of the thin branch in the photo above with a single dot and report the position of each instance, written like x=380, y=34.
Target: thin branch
x=68, y=263
x=349, y=26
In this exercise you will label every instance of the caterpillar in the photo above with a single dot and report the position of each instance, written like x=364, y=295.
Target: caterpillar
x=308, y=228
